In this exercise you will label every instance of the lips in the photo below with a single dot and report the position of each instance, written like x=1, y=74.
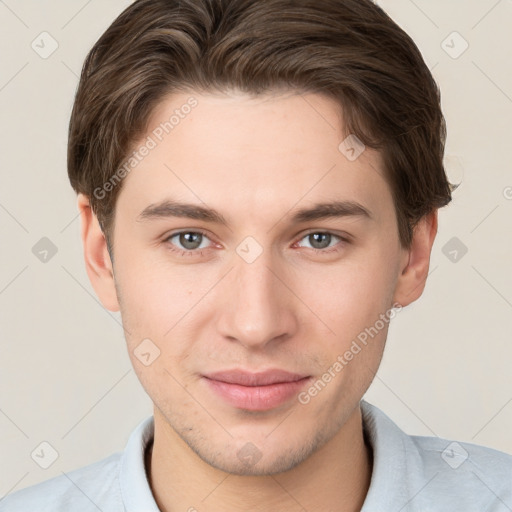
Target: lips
x=244, y=378
x=256, y=391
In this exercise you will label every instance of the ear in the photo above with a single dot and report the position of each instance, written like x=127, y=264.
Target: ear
x=416, y=260
x=97, y=259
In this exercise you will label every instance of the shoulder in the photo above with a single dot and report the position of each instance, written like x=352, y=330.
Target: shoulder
x=429, y=473
x=459, y=453
x=461, y=475
x=464, y=474
x=466, y=460
x=91, y=487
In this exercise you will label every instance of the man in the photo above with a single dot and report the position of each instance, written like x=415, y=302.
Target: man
x=258, y=184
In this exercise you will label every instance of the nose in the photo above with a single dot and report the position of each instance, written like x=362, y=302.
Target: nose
x=259, y=307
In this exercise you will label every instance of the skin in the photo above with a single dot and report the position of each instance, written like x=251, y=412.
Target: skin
x=256, y=161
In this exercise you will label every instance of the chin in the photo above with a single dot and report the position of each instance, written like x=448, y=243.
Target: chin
x=247, y=459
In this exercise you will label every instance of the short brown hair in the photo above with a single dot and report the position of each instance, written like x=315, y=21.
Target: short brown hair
x=349, y=50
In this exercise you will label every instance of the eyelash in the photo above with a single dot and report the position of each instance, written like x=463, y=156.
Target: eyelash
x=199, y=252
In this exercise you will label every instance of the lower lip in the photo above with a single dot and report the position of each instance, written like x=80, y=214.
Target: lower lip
x=257, y=398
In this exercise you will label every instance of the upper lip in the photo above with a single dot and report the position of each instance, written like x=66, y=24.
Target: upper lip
x=245, y=378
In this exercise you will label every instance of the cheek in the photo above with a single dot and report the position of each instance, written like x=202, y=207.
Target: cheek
x=349, y=296
x=355, y=303
x=152, y=298
x=167, y=306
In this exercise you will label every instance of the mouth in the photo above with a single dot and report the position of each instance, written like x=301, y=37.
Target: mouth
x=256, y=391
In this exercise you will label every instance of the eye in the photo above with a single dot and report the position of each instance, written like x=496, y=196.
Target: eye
x=188, y=240
x=191, y=242
x=322, y=240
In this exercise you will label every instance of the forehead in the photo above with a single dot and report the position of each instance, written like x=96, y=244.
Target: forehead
x=245, y=155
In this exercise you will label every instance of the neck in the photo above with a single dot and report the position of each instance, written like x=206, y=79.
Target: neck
x=336, y=477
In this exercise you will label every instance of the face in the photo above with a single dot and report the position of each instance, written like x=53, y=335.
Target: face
x=247, y=243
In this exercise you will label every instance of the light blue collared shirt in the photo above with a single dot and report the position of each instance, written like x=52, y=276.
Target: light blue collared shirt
x=410, y=474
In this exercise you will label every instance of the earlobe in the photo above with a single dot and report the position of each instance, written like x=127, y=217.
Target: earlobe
x=97, y=258
x=416, y=261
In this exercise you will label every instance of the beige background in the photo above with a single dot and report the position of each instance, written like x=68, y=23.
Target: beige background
x=65, y=377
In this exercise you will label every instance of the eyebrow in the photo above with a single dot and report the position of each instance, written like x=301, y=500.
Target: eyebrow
x=332, y=209
x=319, y=211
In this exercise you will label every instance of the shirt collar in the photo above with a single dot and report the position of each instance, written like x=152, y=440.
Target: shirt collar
x=388, y=485
x=135, y=490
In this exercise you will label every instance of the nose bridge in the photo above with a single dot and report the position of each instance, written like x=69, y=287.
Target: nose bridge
x=259, y=307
